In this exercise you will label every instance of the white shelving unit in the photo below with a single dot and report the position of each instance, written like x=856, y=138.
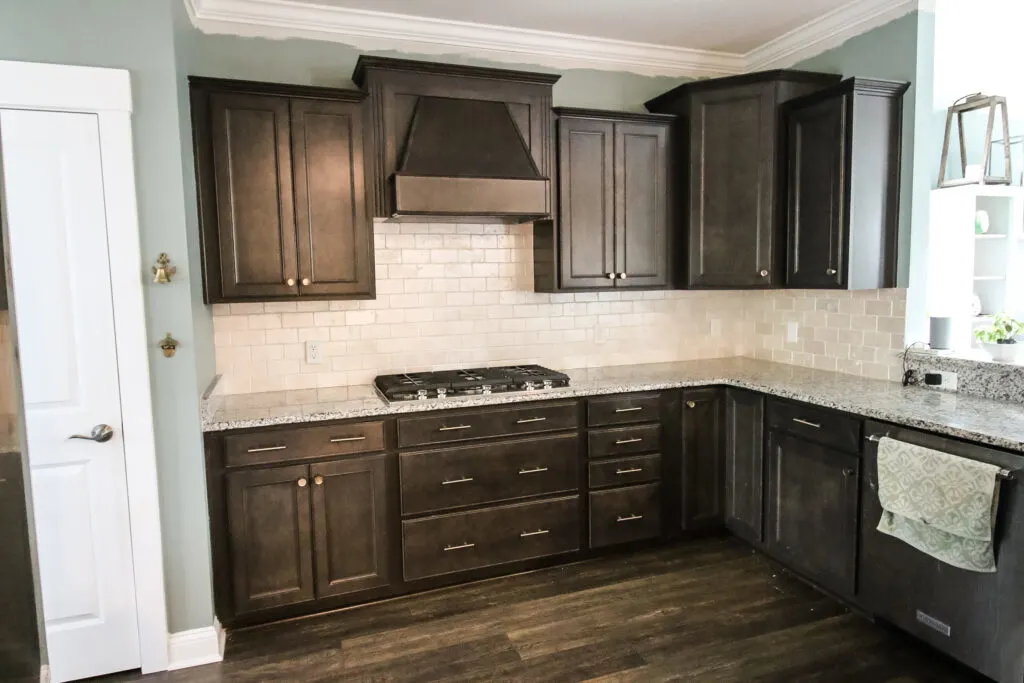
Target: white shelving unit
x=963, y=264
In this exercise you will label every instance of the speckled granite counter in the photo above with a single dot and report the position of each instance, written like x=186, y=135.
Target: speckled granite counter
x=991, y=422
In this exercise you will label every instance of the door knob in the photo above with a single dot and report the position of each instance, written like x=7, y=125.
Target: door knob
x=290, y=282
x=100, y=434
x=305, y=282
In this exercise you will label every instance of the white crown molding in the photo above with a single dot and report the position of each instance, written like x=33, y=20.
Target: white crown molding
x=368, y=30
x=829, y=31
x=380, y=30
x=195, y=647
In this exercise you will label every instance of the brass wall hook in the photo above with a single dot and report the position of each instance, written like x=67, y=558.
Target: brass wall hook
x=169, y=344
x=163, y=271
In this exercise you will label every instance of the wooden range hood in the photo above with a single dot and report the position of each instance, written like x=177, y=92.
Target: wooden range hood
x=458, y=142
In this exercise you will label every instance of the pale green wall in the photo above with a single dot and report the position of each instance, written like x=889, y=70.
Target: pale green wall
x=136, y=35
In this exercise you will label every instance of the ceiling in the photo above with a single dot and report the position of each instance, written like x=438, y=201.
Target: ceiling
x=736, y=26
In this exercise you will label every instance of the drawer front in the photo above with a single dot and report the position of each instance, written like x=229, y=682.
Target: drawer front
x=622, y=471
x=257, y=448
x=623, y=515
x=822, y=426
x=451, y=543
x=624, y=440
x=615, y=410
x=485, y=473
x=445, y=427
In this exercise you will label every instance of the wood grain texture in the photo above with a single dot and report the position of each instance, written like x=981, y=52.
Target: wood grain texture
x=744, y=464
x=702, y=455
x=706, y=611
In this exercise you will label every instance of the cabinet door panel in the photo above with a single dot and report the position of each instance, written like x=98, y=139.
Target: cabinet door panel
x=335, y=235
x=744, y=464
x=817, y=196
x=255, y=208
x=732, y=167
x=702, y=459
x=812, y=510
x=641, y=205
x=350, y=508
x=271, y=540
x=586, y=206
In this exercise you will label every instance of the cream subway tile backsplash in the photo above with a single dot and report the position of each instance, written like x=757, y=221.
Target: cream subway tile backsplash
x=451, y=295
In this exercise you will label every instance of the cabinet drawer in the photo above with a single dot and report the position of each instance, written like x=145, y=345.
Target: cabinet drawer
x=469, y=475
x=621, y=471
x=819, y=425
x=624, y=440
x=622, y=515
x=445, y=544
x=614, y=410
x=447, y=426
x=257, y=448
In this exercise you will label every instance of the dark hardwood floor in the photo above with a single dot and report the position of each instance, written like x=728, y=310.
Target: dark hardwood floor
x=710, y=610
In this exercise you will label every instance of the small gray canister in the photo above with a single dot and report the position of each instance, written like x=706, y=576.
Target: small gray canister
x=941, y=333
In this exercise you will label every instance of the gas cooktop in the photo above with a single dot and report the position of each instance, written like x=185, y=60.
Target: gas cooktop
x=413, y=386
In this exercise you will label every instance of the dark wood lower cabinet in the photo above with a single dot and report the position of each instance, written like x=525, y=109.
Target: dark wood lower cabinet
x=271, y=537
x=702, y=459
x=812, y=510
x=744, y=464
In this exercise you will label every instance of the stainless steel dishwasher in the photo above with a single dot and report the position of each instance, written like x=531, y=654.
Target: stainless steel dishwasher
x=975, y=618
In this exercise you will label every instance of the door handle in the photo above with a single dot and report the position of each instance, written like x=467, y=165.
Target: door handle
x=101, y=433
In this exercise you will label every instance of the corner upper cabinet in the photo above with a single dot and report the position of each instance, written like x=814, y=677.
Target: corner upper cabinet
x=731, y=214
x=282, y=200
x=844, y=185
x=612, y=229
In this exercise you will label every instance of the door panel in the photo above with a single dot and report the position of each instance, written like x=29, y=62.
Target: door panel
x=744, y=464
x=335, y=235
x=641, y=205
x=586, y=202
x=702, y=459
x=56, y=216
x=817, y=198
x=350, y=504
x=256, y=214
x=732, y=168
x=271, y=538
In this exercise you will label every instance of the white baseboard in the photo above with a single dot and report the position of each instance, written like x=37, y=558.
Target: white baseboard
x=195, y=647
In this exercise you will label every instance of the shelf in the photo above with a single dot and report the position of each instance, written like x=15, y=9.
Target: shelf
x=988, y=278
x=991, y=236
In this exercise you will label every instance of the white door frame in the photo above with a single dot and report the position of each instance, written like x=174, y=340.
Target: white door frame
x=107, y=93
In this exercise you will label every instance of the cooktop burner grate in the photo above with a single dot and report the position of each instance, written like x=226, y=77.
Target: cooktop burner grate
x=468, y=382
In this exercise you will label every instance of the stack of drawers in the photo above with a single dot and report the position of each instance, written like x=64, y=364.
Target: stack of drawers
x=624, y=463
x=481, y=488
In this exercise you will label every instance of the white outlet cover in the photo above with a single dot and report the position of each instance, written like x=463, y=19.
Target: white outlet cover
x=314, y=354
x=792, y=331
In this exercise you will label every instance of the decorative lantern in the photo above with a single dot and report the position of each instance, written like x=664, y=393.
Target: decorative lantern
x=973, y=103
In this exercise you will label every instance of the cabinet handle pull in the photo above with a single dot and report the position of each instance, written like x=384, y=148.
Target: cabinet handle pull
x=610, y=276
x=454, y=428
x=622, y=276
x=830, y=271
x=318, y=480
x=302, y=483
x=805, y=422
x=631, y=470
x=635, y=439
x=306, y=282
x=764, y=273
x=849, y=472
x=628, y=518
x=346, y=439
x=538, y=532
x=461, y=546
x=629, y=410
x=533, y=470
x=266, y=448
x=463, y=480
x=691, y=404
x=528, y=420
x=290, y=282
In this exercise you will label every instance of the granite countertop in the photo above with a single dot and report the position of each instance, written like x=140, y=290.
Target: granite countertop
x=968, y=417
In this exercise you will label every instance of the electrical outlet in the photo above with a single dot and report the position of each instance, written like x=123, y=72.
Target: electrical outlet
x=314, y=354
x=949, y=381
x=792, y=332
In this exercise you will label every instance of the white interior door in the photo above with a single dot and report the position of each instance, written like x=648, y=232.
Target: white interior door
x=62, y=294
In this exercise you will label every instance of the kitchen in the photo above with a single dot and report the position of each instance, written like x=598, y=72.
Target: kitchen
x=591, y=339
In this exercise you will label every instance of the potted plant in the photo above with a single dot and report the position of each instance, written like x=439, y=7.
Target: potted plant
x=1000, y=338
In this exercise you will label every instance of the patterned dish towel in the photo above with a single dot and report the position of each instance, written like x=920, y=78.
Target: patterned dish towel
x=941, y=504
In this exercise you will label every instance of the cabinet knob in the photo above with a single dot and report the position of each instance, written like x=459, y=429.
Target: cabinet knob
x=611, y=276
x=849, y=472
x=691, y=404
x=290, y=282
x=831, y=271
x=318, y=480
x=305, y=282
x=764, y=273
x=622, y=276
x=302, y=482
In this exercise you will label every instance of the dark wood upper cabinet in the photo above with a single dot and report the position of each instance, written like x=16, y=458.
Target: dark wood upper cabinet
x=350, y=513
x=744, y=464
x=613, y=210
x=703, y=470
x=279, y=176
x=730, y=201
x=812, y=510
x=270, y=536
x=844, y=185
